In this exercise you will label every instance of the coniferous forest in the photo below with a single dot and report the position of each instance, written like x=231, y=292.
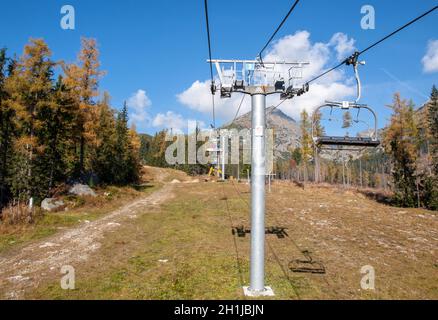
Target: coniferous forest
x=56, y=127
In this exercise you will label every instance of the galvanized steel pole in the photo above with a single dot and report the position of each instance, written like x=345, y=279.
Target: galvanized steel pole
x=258, y=171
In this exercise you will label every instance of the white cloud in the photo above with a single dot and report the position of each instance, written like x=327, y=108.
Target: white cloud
x=138, y=104
x=430, y=60
x=176, y=122
x=198, y=97
x=343, y=46
x=296, y=47
x=315, y=97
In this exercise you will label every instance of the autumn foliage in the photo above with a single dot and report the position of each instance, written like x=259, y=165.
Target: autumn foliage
x=57, y=127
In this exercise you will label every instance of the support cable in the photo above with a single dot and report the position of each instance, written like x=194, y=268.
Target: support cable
x=354, y=57
x=399, y=29
x=275, y=108
x=238, y=109
x=213, y=86
x=278, y=29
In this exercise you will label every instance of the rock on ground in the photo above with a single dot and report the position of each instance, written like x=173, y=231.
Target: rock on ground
x=51, y=204
x=192, y=181
x=82, y=190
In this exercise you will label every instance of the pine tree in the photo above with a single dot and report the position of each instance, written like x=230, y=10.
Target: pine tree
x=29, y=88
x=433, y=128
x=306, y=141
x=318, y=127
x=430, y=182
x=127, y=150
x=83, y=79
x=6, y=131
x=346, y=120
x=145, y=141
x=122, y=144
x=317, y=130
x=401, y=145
x=114, y=149
x=45, y=126
x=296, y=156
x=57, y=134
x=133, y=156
x=102, y=141
x=156, y=154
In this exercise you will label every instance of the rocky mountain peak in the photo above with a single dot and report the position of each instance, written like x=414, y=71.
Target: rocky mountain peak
x=286, y=130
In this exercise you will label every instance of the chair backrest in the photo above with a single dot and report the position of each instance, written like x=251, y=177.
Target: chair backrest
x=347, y=141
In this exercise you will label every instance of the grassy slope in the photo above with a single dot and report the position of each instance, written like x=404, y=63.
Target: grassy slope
x=341, y=229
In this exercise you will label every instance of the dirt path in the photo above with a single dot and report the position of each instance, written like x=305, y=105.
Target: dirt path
x=24, y=270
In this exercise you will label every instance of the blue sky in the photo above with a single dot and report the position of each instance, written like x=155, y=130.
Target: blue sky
x=160, y=46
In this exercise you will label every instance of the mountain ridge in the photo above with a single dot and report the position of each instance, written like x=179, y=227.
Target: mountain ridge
x=286, y=130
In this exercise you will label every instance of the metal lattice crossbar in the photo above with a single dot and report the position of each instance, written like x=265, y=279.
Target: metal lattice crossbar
x=244, y=75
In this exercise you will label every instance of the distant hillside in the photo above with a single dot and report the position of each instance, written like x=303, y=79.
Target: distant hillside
x=286, y=130
x=145, y=136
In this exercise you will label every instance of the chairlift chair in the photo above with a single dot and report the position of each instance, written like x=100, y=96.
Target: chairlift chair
x=338, y=143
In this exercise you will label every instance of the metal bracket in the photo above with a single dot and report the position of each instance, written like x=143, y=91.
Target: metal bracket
x=245, y=76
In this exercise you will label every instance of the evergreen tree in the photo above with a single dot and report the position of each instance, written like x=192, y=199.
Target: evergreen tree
x=45, y=126
x=400, y=144
x=102, y=141
x=319, y=129
x=57, y=134
x=430, y=182
x=133, y=157
x=306, y=141
x=114, y=149
x=29, y=88
x=157, y=150
x=346, y=120
x=83, y=79
x=127, y=150
x=296, y=156
x=433, y=128
x=145, y=141
x=6, y=131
